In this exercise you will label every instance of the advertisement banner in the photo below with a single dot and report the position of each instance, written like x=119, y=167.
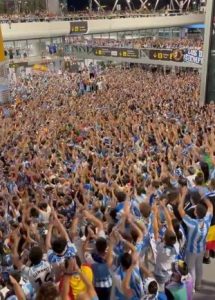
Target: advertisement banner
x=193, y=56
x=78, y=27
x=166, y=55
x=116, y=52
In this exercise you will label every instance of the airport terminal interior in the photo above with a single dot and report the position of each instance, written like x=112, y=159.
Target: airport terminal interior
x=107, y=149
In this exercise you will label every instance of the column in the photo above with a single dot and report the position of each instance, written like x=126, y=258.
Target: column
x=208, y=70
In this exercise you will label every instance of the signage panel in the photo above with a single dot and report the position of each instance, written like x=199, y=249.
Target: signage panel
x=166, y=55
x=116, y=52
x=78, y=27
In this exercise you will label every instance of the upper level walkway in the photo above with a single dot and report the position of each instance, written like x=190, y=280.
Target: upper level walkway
x=83, y=16
x=33, y=30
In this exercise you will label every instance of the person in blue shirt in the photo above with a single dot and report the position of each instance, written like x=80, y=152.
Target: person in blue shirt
x=138, y=283
x=16, y=290
x=128, y=279
x=200, y=184
x=61, y=248
x=197, y=230
x=121, y=198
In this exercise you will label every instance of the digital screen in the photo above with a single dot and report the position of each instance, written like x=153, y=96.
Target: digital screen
x=78, y=27
x=116, y=52
x=167, y=55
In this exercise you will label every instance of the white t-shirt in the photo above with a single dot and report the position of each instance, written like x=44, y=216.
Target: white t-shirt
x=191, y=180
x=100, y=85
x=38, y=274
x=45, y=215
x=165, y=257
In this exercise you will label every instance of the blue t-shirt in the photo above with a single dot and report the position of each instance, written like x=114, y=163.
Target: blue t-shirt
x=55, y=258
x=28, y=290
x=197, y=233
x=136, y=284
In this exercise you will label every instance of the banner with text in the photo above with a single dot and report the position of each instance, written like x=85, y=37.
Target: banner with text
x=193, y=56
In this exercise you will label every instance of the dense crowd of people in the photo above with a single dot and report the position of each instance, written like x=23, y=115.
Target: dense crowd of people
x=108, y=194
x=150, y=42
x=45, y=16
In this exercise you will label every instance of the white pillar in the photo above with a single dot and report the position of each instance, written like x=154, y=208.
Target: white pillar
x=208, y=30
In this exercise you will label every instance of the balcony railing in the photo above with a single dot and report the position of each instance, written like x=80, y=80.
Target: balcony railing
x=74, y=17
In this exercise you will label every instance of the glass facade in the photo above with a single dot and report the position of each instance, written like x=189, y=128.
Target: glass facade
x=174, y=32
x=31, y=48
x=37, y=47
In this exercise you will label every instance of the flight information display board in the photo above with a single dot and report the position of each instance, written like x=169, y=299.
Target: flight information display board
x=166, y=55
x=78, y=27
x=116, y=52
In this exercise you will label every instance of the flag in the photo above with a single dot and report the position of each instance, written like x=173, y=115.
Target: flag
x=210, y=242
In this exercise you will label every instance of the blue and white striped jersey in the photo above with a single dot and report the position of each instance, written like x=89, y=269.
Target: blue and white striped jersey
x=37, y=274
x=210, y=194
x=149, y=235
x=136, y=284
x=28, y=290
x=197, y=233
x=55, y=258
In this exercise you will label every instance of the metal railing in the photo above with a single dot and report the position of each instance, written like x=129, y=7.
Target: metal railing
x=132, y=46
x=26, y=19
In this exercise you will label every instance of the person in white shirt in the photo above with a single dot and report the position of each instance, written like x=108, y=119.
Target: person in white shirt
x=165, y=249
